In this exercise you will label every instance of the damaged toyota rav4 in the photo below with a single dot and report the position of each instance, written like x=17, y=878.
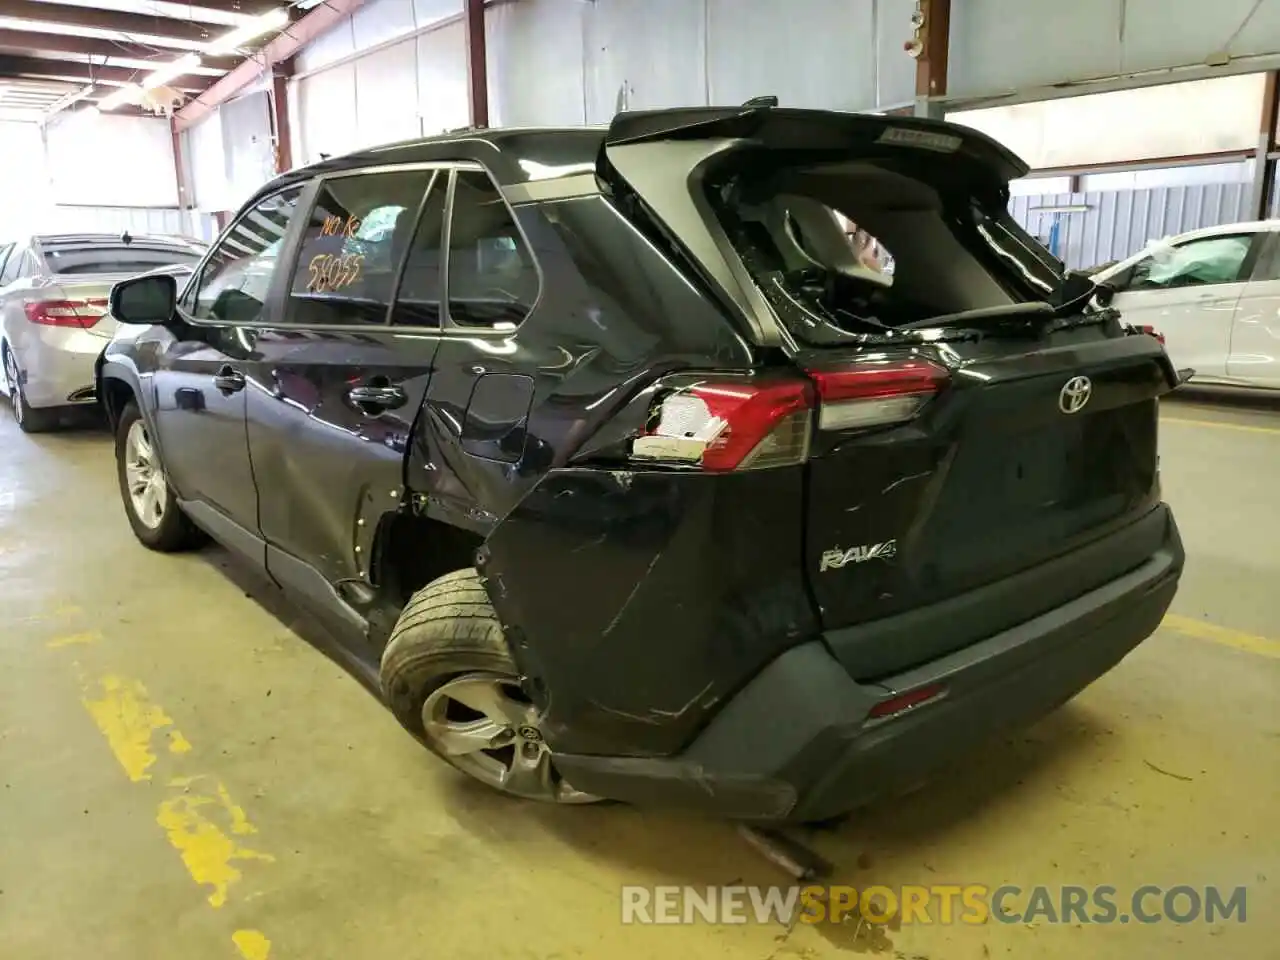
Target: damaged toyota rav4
x=745, y=460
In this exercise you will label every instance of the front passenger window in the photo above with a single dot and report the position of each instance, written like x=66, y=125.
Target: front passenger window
x=1209, y=260
x=233, y=283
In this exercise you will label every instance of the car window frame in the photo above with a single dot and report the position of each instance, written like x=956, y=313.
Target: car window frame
x=1247, y=265
x=448, y=325
x=17, y=256
x=1267, y=258
x=436, y=167
x=273, y=305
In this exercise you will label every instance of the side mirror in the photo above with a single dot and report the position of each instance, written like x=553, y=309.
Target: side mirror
x=144, y=300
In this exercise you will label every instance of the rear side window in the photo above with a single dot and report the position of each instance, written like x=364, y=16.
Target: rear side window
x=493, y=279
x=101, y=258
x=352, y=246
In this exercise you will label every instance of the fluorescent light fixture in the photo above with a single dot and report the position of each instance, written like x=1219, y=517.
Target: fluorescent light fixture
x=171, y=71
x=251, y=30
x=122, y=96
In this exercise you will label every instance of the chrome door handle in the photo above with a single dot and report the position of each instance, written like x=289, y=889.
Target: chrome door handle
x=229, y=380
x=372, y=398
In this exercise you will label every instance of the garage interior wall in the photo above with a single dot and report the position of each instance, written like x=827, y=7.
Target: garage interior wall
x=998, y=46
x=397, y=68
x=83, y=173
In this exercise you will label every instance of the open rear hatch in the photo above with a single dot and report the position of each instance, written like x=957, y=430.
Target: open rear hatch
x=975, y=415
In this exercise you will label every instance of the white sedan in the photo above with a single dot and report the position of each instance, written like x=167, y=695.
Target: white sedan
x=1214, y=296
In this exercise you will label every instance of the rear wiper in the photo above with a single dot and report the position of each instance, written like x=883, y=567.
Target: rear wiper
x=983, y=316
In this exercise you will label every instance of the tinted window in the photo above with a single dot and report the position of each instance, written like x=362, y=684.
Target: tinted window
x=352, y=245
x=492, y=277
x=418, y=301
x=234, y=281
x=90, y=258
x=1195, y=263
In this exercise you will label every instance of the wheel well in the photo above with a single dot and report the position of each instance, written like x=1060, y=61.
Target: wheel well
x=411, y=551
x=115, y=394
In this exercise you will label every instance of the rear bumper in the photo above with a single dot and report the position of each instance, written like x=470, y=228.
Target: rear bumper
x=796, y=743
x=57, y=366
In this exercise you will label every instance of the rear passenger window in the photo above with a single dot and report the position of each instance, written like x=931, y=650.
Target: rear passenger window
x=492, y=276
x=352, y=245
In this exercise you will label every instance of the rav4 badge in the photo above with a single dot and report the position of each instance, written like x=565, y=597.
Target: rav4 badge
x=835, y=558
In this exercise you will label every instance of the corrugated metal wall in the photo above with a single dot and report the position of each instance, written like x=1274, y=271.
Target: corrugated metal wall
x=1114, y=224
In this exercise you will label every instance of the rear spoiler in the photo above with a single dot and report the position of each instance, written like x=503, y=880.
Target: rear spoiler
x=788, y=127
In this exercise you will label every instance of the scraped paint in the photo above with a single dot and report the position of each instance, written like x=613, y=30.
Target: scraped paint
x=209, y=855
x=129, y=721
x=252, y=944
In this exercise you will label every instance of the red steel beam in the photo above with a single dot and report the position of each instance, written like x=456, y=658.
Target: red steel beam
x=280, y=122
x=294, y=37
x=1264, y=168
x=189, y=30
x=477, y=63
x=34, y=43
x=931, y=65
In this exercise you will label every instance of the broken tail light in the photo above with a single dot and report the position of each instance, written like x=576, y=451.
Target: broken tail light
x=1151, y=331
x=731, y=425
x=750, y=424
x=66, y=313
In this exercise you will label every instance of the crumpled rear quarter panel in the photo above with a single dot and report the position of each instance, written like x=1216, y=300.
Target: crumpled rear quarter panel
x=637, y=601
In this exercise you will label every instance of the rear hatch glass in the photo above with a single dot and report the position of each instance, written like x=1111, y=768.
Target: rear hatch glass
x=87, y=259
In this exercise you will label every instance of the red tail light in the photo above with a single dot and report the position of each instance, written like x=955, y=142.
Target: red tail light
x=66, y=313
x=1151, y=331
x=872, y=395
x=725, y=425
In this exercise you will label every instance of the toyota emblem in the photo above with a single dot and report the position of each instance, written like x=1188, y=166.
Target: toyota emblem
x=1075, y=394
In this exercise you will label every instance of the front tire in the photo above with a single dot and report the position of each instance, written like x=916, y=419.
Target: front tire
x=149, y=502
x=449, y=679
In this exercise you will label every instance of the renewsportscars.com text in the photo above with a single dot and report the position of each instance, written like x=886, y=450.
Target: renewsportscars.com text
x=935, y=904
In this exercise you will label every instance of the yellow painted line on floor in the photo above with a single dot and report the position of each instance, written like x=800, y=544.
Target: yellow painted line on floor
x=1248, y=642
x=198, y=815
x=251, y=944
x=129, y=721
x=1220, y=424
x=209, y=854
x=74, y=639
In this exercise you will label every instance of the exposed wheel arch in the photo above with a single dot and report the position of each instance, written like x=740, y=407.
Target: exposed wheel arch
x=411, y=550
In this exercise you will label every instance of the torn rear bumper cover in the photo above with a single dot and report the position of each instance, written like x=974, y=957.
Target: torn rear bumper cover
x=797, y=743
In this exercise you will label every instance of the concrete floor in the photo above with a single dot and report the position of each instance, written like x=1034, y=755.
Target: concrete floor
x=183, y=775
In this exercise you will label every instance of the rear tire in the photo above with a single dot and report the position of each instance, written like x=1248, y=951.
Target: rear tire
x=449, y=678
x=30, y=419
x=149, y=502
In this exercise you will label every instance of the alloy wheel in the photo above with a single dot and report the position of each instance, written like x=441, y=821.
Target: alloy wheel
x=148, y=492
x=487, y=729
x=14, y=382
